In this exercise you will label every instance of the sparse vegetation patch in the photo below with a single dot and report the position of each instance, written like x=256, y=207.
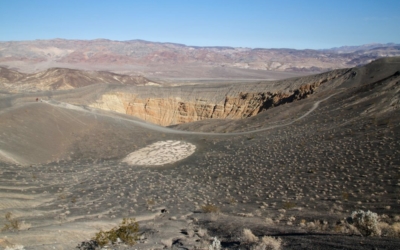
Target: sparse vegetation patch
x=126, y=232
x=12, y=225
x=210, y=208
x=366, y=222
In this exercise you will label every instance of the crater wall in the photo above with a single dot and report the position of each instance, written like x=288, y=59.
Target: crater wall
x=176, y=105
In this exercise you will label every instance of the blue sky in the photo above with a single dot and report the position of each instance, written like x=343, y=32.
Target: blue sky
x=295, y=24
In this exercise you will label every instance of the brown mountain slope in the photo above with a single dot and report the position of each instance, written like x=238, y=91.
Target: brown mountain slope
x=62, y=78
x=176, y=60
x=8, y=75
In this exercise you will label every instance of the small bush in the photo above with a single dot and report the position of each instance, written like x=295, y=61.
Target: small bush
x=232, y=201
x=215, y=245
x=390, y=230
x=248, y=236
x=366, y=222
x=150, y=202
x=203, y=238
x=269, y=221
x=127, y=232
x=15, y=247
x=268, y=243
x=88, y=245
x=288, y=205
x=12, y=225
x=209, y=208
x=202, y=233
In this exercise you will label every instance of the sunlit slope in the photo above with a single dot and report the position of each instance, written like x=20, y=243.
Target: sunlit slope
x=40, y=133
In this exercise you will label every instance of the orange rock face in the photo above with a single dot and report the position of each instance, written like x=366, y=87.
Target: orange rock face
x=174, y=110
x=170, y=106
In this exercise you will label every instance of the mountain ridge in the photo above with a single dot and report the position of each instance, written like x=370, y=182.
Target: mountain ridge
x=62, y=78
x=158, y=59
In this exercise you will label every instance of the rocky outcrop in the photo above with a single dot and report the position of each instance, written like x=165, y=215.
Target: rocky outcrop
x=170, y=106
x=174, y=110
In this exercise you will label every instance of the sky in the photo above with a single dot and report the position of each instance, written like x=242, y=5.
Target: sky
x=298, y=24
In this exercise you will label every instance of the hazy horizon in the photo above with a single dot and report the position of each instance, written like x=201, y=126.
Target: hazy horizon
x=189, y=45
x=250, y=24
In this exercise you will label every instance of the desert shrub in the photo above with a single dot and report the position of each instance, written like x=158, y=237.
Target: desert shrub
x=215, y=245
x=345, y=196
x=310, y=225
x=203, y=238
x=210, y=208
x=15, y=247
x=127, y=232
x=268, y=243
x=316, y=225
x=62, y=196
x=343, y=226
x=150, y=202
x=288, y=205
x=269, y=221
x=88, y=245
x=302, y=223
x=396, y=229
x=366, y=222
x=12, y=225
x=246, y=214
x=248, y=236
x=390, y=230
x=232, y=201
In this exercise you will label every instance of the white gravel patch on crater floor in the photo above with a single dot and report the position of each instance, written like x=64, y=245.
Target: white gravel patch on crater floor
x=160, y=153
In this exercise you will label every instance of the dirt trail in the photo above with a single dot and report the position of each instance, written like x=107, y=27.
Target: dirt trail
x=180, y=132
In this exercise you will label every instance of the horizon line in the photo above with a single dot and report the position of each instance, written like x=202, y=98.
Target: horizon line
x=199, y=46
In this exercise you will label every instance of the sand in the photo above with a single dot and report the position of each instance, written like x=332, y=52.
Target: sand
x=294, y=171
x=160, y=153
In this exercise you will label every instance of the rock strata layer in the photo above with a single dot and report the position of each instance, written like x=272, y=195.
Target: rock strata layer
x=170, y=106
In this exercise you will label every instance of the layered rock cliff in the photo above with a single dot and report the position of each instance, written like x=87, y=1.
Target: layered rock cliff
x=175, y=105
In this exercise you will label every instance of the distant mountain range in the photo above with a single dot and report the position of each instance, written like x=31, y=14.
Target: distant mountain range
x=155, y=59
x=61, y=78
x=371, y=46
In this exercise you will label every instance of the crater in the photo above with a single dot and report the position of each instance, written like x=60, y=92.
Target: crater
x=177, y=105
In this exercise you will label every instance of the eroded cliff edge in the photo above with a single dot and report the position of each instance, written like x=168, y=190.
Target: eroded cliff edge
x=176, y=105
